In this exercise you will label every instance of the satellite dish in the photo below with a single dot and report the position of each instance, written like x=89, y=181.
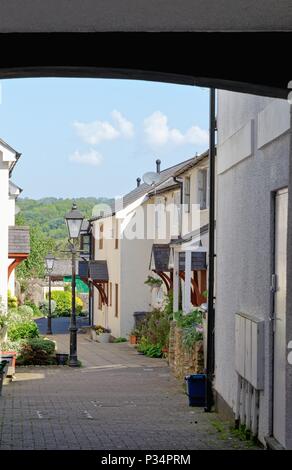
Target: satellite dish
x=151, y=178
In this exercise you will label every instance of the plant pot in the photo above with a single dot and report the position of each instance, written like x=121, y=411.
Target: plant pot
x=133, y=339
x=103, y=337
x=93, y=335
x=62, y=359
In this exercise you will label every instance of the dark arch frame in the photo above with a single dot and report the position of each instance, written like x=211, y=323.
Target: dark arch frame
x=254, y=64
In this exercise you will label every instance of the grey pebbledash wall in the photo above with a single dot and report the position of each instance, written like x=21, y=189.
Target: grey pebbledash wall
x=252, y=162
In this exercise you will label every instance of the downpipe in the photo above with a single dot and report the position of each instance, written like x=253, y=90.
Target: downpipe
x=211, y=310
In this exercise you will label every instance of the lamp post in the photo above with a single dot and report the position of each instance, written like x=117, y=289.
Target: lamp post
x=50, y=260
x=74, y=220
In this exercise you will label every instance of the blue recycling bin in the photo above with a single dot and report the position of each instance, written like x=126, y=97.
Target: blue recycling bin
x=196, y=389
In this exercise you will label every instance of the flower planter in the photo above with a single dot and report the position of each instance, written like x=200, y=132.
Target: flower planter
x=103, y=337
x=133, y=339
x=93, y=335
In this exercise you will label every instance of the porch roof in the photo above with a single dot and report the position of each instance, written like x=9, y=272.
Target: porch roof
x=19, y=241
x=95, y=270
x=159, y=260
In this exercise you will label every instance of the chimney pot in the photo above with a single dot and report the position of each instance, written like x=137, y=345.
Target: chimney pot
x=158, y=162
x=138, y=182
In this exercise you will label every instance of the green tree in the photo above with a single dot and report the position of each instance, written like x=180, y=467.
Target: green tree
x=40, y=245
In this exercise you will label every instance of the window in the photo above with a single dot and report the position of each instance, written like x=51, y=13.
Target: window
x=187, y=193
x=101, y=236
x=85, y=245
x=116, y=300
x=202, y=188
x=117, y=234
x=110, y=294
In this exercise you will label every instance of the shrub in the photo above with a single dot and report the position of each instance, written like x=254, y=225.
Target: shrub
x=36, y=351
x=36, y=310
x=25, y=312
x=155, y=328
x=44, y=307
x=191, y=325
x=7, y=345
x=120, y=339
x=64, y=303
x=12, y=300
x=22, y=330
x=149, y=349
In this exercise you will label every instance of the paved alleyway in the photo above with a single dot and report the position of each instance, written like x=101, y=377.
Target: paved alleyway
x=117, y=400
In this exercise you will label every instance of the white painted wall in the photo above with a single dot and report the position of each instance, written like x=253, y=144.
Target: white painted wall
x=252, y=162
x=6, y=157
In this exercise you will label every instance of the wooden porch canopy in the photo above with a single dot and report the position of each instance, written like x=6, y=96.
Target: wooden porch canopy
x=160, y=265
x=95, y=272
x=18, y=246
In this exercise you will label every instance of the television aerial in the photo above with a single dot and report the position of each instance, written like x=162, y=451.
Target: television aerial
x=151, y=178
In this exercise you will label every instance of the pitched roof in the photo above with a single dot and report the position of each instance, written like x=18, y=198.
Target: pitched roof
x=96, y=270
x=159, y=260
x=144, y=188
x=62, y=268
x=17, y=155
x=19, y=240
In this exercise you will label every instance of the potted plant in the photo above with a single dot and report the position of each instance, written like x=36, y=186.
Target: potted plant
x=133, y=337
x=153, y=282
x=104, y=336
x=101, y=334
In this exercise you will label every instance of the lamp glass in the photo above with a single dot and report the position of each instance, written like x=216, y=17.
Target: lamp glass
x=50, y=262
x=74, y=220
x=74, y=227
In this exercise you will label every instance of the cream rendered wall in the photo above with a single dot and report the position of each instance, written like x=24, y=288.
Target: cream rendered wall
x=106, y=316
x=135, y=295
x=195, y=218
x=128, y=266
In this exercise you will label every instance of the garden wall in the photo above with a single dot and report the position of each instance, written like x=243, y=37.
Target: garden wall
x=183, y=361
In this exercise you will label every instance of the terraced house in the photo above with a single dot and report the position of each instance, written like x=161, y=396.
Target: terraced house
x=146, y=234
x=14, y=240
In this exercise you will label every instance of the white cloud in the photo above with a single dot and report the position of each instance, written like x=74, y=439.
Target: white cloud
x=159, y=133
x=92, y=157
x=125, y=126
x=97, y=131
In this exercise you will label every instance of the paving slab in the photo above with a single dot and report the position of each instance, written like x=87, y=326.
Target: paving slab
x=118, y=399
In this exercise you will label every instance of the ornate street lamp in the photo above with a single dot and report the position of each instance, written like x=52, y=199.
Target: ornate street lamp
x=74, y=220
x=50, y=260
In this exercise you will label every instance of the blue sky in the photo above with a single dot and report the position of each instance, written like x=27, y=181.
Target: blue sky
x=94, y=137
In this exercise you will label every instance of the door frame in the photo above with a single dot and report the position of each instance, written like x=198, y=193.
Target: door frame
x=272, y=305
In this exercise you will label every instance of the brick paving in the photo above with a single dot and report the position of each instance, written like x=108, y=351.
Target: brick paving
x=119, y=399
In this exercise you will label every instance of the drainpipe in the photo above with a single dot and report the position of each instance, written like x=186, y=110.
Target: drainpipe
x=211, y=311
x=180, y=183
